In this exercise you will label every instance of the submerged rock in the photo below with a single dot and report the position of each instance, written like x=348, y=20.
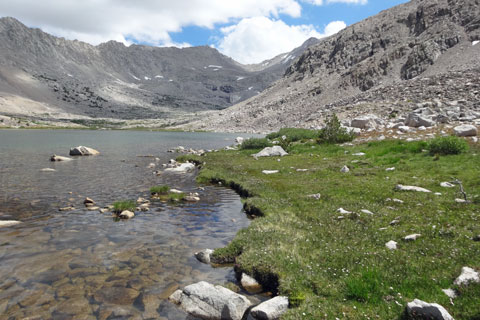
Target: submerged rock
x=418, y=309
x=126, y=215
x=204, y=255
x=250, y=284
x=275, y=151
x=271, y=309
x=206, y=301
x=83, y=151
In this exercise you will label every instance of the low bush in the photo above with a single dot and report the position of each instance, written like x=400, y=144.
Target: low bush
x=123, y=205
x=447, y=145
x=255, y=143
x=334, y=132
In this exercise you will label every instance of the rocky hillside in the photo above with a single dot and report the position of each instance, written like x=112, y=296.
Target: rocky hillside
x=414, y=53
x=43, y=76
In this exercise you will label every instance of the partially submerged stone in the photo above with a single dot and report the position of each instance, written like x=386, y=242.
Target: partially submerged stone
x=206, y=301
x=271, y=309
x=250, y=284
x=8, y=223
x=418, y=309
x=400, y=187
x=182, y=168
x=204, y=255
x=48, y=170
x=126, y=214
x=83, y=151
x=275, y=151
x=59, y=158
x=468, y=275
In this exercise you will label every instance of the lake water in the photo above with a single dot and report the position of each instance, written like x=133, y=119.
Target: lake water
x=83, y=264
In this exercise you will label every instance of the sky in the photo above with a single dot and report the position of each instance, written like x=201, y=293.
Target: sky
x=249, y=31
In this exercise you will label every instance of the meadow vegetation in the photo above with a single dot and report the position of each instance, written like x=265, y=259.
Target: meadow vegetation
x=334, y=265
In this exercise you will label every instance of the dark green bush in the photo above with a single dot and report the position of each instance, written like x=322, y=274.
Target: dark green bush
x=255, y=143
x=334, y=132
x=294, y=134
x=447, y=145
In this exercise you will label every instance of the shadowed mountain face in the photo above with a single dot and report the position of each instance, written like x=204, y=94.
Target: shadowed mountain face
x=45, y=76
x=393, y=50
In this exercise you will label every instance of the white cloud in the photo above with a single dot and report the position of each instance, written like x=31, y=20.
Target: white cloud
x=150, y=21
x=321, y=2
x=253, y=40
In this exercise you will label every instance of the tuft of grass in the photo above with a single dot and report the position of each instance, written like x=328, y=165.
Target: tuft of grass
x=366, y=287
x=255, y=143
x=294, y=134
x=334, y=132
x=158, y=190
x=176, y=197
x=123, y=205
x=447, y=145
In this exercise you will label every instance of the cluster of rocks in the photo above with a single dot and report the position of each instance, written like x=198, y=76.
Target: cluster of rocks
x=184, y=150
x=210, y=302
x=177, y=167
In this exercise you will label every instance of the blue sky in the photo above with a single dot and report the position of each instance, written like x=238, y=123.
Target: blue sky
x=249, y=31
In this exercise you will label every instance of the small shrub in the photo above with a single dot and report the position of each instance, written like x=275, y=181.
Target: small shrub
x=294, y=134
x=255, y=143
x=296, y=299
x=334, y=132
x=176, y=197
x=447, y=145
x=123, y=205
x=159, y=190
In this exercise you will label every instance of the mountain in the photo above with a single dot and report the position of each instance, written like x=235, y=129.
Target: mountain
x=44, y=77
x=423, y=50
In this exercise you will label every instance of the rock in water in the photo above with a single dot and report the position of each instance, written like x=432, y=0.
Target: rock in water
x=400, y=187
x=48, y=170
x=204, y=255
x=275, y=151
x=206, y=301
x=184, y=167
x=468, y=275
x=418, y=309
x=126, y=215
x=83, y=151
x=271, y=309
x=465, y=130
x=59, y=158
x=8, y=223
x=250, y=284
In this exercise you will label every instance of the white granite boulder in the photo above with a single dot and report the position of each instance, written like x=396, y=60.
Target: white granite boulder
x=467, y=276
x=83, y=151
x=418, y=309
x=204, y=255
x=271, y=309
x=182, y=168
x=465, y=130
x=275, y=151
x=206, y=301
x=400, y=187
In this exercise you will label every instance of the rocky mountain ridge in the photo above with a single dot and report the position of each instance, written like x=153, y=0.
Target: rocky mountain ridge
x=387, y=64
x=42, y=76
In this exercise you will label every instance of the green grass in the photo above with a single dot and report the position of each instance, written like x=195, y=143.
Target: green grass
x=176, y=197
x=447, y=145
x=158, y=190
x=255, y=143
x=294, y=134
x=335, y=268
x=123, y=205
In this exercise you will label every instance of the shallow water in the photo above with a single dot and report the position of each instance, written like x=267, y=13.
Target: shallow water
x=83, y=264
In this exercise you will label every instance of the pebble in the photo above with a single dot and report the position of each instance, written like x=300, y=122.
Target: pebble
x=392, y=245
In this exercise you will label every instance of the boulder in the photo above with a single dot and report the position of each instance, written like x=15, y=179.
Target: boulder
x=468, y=275
x=59, y=158
x=8, y=223
x=184, y=167
x=250, y=284
x=204, y=255
x=126, y=215
x=465, y=130
x=239, y=140
x=275, y=151
x=400, y=187
x=206, y=301
x=418, y=309
x=83, y=151
x=271, y=309
x=415, y=120
x=364, y=122
x=345, y=169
